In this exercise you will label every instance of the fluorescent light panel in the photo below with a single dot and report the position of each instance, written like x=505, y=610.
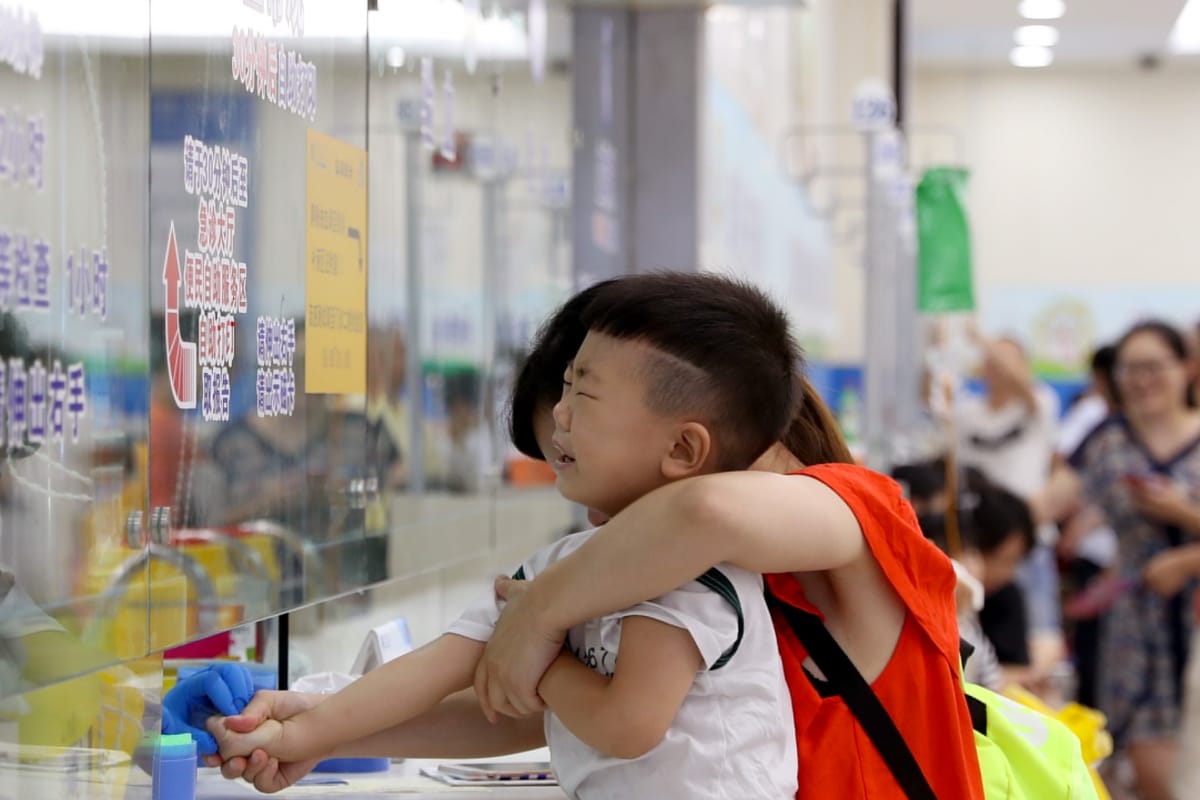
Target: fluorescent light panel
x=1185, y=36
x=436, y=28
x=1031, y=57
x=1042, y=9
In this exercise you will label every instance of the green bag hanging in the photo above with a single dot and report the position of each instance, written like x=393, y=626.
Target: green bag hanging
x=943, y=243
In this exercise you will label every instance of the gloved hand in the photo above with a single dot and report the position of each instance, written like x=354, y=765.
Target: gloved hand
x=223, y=688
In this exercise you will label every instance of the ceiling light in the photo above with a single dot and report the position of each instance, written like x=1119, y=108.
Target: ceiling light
x=1036, y=36
x=1031, y=56
x=1042, y=9
x=1185, y=36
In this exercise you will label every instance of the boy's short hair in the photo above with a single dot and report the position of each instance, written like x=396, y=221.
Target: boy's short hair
x=724, y=353
x=933, y=526
x=990, y=519
x=922, y=481
x=539, y=379
x=999, y=514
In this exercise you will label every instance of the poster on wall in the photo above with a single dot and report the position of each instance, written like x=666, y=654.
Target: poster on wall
x=202, y=156
x=1061, y=325
x=336, y=286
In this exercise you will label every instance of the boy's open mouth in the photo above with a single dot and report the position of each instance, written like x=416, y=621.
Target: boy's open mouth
x=563, y=459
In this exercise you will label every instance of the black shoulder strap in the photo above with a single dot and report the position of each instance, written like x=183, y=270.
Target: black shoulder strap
x=716, y=581
x=847, y=682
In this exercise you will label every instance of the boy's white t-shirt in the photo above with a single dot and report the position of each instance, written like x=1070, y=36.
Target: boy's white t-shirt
x=733, y=737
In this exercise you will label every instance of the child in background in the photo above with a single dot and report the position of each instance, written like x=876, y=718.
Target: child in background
x=924, y=485
x=697, y=705
x=982, y=666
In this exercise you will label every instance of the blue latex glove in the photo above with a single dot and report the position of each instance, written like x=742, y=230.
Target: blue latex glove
x=223, y=688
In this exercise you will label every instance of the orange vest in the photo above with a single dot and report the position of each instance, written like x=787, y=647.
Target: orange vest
x=920, y=687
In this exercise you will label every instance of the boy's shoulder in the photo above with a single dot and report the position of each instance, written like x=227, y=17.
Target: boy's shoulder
x=555, y=551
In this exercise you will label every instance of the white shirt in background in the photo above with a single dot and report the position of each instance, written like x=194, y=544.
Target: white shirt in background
x=1080, y=420
x=983, y=667
x=1098, y=545
x=1012, y=446
x=734, y=736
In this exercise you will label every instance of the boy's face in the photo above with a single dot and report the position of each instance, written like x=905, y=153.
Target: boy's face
x=543, y=431
x=609, y=448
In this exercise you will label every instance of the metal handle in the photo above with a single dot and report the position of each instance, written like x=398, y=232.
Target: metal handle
x=160, y=525
x=135, y=529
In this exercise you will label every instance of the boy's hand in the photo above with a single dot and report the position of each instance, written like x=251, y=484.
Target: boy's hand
x=223, y=688
x=266, y=773
x=507, y=678
x=257, y=767
x=233, y=740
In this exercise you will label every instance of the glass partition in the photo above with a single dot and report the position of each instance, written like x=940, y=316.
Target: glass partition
x=470, y=150
x=73, y=396
x=242, y=368
x=73, y=358
x=262, y=461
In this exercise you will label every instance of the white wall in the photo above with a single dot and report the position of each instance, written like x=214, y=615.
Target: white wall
x=835, y=45
x=794, y=71
x=1077, y=177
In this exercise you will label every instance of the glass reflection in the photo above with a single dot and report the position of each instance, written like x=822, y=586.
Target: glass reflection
x=254, y=437
x=72, y=365
x=265, y=465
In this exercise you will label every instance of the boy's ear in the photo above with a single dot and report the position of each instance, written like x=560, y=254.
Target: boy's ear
x=689, y=453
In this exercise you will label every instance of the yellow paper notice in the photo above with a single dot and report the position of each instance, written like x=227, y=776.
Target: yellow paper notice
x=336, y=231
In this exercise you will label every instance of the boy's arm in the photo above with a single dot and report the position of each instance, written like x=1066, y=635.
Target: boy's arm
x=759, y=521
x=455, y=728
x=627, y=715
x=394, y=693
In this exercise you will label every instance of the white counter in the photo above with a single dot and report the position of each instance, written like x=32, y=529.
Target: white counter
x=403, y=781
x=127, y=782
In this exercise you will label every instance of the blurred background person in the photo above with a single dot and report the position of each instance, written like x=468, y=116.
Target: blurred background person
x=1008, y=433
x=1142, y=468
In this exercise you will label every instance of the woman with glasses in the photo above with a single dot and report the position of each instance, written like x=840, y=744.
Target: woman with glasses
x=1142, y=468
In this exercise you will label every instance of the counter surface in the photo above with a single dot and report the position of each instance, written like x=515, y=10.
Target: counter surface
x=403, y=780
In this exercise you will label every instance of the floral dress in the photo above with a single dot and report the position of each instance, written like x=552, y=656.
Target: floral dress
x=1145, y=638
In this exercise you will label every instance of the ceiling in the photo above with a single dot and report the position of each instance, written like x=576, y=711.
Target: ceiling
x=1093, y=32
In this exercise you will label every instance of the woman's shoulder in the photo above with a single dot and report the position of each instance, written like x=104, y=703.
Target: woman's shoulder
x=1110, y=435
x=920, y=574
x=870, y=495
x=853, y=478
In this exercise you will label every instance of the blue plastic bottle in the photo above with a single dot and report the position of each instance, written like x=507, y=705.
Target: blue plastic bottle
x=174, y=773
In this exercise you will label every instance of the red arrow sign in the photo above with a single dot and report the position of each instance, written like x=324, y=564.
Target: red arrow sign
x=181, y=355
